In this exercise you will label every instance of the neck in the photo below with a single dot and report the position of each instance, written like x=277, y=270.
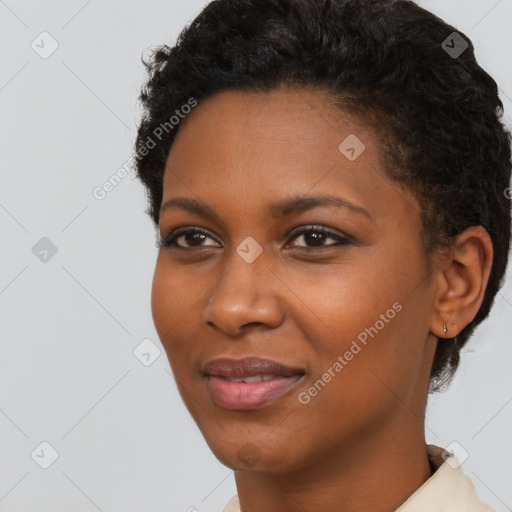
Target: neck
x=377, y=476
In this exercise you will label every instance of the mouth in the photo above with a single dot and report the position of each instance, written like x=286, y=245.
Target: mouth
x=249, y=383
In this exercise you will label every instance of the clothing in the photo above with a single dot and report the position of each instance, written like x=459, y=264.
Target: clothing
x=447, y=490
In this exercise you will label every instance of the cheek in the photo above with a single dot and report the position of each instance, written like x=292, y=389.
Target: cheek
x=372, y=314
x=174, y=293
x=178, y=295
x=162, y=299
x=172, y=303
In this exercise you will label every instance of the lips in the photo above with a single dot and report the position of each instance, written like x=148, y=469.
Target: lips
x=252, y=368
x=249, y=383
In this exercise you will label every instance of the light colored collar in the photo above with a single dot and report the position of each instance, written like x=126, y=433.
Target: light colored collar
x=447, y=490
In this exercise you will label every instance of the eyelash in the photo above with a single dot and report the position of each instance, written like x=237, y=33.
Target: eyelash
x=170, y=240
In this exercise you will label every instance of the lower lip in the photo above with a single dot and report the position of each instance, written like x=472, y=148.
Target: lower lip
x=249, y=395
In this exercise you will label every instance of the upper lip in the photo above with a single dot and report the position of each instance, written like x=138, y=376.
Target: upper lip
x=247, y=367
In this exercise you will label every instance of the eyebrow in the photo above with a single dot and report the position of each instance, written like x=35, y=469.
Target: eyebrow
x=278, y=209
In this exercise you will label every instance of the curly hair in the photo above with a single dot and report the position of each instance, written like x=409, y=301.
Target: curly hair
x=437, y=114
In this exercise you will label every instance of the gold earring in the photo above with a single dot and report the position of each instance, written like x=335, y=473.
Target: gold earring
x=445, y=329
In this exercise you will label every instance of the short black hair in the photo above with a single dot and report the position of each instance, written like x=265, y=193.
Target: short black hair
x=399, y=67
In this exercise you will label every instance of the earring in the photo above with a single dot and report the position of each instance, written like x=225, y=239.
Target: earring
x=445, y=329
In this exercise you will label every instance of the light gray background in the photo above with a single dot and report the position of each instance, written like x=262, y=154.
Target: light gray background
x=68, y=374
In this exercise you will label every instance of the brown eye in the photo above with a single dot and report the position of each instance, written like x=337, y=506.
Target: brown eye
x=190, y=238
x=316, y=237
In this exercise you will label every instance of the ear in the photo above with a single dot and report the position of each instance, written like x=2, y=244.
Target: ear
x=461, y=282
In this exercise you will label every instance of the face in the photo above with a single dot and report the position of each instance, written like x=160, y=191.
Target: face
x=334, y=288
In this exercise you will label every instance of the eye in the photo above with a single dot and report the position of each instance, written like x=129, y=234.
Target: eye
x=192, y=236
x=317, y=235
x=313, y=236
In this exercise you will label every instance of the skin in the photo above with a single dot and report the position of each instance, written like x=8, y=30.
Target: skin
x=359, y=444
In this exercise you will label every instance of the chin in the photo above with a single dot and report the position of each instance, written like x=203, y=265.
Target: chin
x=247, y=455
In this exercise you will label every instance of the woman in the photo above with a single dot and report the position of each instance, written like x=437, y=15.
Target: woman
x=329, y=181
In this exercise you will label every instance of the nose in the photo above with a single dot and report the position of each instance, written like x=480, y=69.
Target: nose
x=247, y=294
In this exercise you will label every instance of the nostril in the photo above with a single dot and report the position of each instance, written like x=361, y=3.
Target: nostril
x=250, y=323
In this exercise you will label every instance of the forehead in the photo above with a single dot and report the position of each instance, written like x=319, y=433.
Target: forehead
x=252, y=148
